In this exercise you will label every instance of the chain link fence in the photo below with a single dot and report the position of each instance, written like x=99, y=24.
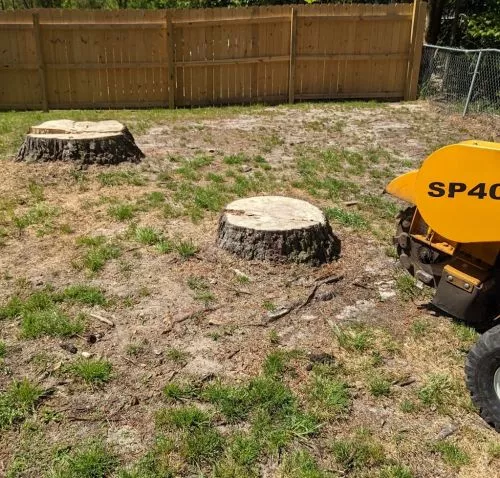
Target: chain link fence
x=466, y=80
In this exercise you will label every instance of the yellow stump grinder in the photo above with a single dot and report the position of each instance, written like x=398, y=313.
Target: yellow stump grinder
x=449, y=239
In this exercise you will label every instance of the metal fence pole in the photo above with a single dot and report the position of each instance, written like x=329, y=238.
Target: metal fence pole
x=472, y=83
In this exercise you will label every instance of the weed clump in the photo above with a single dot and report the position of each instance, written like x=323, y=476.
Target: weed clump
x=98, y=251
x=18, y=402
x=92, y=371
x=40, y=315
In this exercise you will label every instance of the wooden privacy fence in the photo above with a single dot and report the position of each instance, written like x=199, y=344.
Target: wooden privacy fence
x=166, y=58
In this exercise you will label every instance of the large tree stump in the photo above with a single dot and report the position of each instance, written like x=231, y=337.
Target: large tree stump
x=277, y=228
x=102, y=142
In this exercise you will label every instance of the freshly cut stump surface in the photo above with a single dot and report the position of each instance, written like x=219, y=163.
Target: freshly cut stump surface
x=277, y=228
x=87, y=142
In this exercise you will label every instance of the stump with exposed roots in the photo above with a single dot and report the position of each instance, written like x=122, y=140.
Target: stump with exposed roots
x=86, y=142
x=277, y=228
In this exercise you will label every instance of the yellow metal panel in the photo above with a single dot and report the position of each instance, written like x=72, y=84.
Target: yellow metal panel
x=483, y=144
x=457, y=191
x=403, y=187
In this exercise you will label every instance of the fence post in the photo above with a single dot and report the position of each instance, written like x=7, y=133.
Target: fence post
x=472, y=83
x=415, y=53
x=40, y=61
x=171, y=70
x=293, y=42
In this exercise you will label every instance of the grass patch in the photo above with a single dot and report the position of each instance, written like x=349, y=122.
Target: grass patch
x=154, y=464
x=36, y=191
x=239, y=158
x=467, y=335
x=437, y=391
x=274, y=337
x=122, y=212
x=92, y=371
x=395, y=471
x=83, y=294
x=134, y=350
x=147, y=235
x=164, y=246
x=120, y=178
x=354, y=338
x=152, y=200
x=347, y=218
x=494, y=451
x=3, y=349
x=198, y=441
x=201, y=288
x=276, y=364
x=301, y=464
x=269, y=305
x=406, y=287
x=174, y=391
x=319, y=173
x=41, y=214
x=40, y=316
x=177, y=356
x=50, y=322
x=263, y=418
x=232, y=402
x=182, y=418
x=186, y=248
x=18, y=402
x=329, y=397
x=451, y=453
x=420, y=328
x=358, y=452
x=408, y=406
x=379, y=386
x=380, y=206
x=98, y=251
x=92, y=460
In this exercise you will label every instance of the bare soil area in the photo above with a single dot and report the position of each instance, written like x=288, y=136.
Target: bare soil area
x=137, y=243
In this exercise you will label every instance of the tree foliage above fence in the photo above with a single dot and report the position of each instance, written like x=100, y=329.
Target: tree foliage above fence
x=464, y=23
x=152, y=4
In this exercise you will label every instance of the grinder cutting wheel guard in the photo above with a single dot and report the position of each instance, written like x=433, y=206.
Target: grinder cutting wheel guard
x=450, y=240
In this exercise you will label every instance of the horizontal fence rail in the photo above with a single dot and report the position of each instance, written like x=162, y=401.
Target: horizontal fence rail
x=167, y=58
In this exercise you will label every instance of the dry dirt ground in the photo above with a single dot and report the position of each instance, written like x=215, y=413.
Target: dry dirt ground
x=379, y=375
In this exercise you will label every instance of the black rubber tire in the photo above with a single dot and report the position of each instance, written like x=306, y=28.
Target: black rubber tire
x=480, y=366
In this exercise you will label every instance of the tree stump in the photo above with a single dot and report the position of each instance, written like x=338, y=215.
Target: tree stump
x=277, y=228
x=102, y=142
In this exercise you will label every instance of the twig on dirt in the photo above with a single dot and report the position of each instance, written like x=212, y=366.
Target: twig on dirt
x=362, y=286
x=326, y=280
x=172, y=375
x=133, y=362
x=240, y=291
x=194, y=314
x=405, y=381
x=91, y=419
x=82, y=419
x=332, y=279
x=132, y=249
x=102, y=319
x=278, y=314
x=309, y=297
x=232, y=354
